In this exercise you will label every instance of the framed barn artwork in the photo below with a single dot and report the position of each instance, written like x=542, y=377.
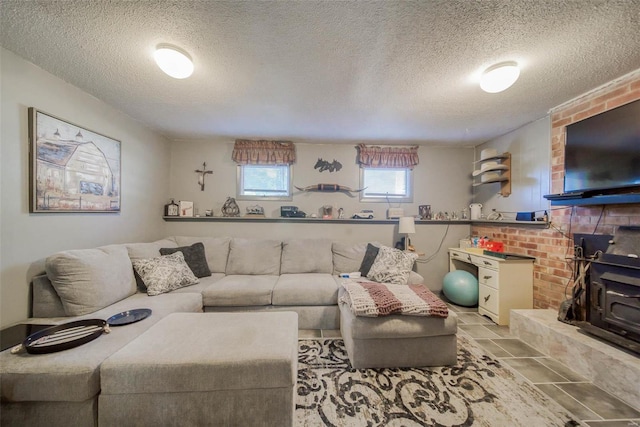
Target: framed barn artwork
x=71, y=168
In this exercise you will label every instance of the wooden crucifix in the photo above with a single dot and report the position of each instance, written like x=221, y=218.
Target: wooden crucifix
x=203, y=172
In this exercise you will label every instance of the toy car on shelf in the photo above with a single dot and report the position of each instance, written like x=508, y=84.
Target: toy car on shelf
x=363, y=214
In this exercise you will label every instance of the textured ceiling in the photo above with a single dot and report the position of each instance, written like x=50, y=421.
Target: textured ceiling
x=327, y=71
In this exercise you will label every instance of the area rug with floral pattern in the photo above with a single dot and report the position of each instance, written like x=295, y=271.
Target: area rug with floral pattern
x=477, y=391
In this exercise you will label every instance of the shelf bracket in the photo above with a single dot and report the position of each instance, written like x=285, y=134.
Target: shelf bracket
x=505, y=186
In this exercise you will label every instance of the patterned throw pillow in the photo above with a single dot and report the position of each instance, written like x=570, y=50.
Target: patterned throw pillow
x=392, y=266
x=194, y=256
x=165, y=273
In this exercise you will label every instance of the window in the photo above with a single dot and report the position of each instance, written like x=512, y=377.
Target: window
x=386, y=185
x=264, y=182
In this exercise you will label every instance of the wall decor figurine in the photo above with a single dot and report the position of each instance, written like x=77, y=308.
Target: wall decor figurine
x=323, y=165
x=330, y=188
x=71, y=169
x=230, y=208
x=255, y=211
x=203, y=172
x=172, y=209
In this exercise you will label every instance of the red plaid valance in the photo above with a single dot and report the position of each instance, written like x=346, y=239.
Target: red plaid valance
x=246, y=152
x=372, y=156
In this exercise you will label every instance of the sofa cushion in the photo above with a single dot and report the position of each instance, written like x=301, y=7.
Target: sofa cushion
x=415, y=279
x=203, y=283
x=46, y=302
x=194, y=257
x=149, y=250
x=240, y=290
x=216, y=249
x=240, y=351
x=392, y=266
x=347, y=257
x=89, y=279
x=164, y=273
x=74, y=375
x=254, y=256
x=306, y=256
x=395, y=326
x=305, y=289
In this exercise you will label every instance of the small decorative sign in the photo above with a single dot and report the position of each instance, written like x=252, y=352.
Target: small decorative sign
x=186, y=208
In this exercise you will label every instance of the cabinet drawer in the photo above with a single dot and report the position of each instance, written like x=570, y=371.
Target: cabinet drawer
x=488, y=298
x=459, y=255
x=485, y=262
x=488, y=277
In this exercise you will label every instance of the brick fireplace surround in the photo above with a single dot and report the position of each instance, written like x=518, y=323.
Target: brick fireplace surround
x=549, y=246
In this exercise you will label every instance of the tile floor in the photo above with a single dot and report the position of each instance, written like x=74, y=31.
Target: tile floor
x=595, y=407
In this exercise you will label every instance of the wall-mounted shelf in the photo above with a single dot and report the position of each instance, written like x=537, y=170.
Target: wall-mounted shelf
x=303, y=220
x=536, y=224
x=606, y=199
x=495, y=169
x=510, y=223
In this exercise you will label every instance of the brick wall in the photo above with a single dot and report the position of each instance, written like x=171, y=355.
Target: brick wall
x=551, y=247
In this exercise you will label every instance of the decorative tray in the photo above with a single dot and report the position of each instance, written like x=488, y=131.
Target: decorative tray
x=63, y=337
x=129, y=316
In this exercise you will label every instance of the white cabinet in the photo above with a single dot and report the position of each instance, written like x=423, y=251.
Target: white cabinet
x=503, y=284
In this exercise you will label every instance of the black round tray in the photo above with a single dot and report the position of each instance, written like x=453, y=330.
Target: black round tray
x=129, y=316
x=64, y=337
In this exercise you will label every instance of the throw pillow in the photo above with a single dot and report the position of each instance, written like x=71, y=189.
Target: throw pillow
x=215, y=248
x=392, y=266
x=164, y=273
x=147, y=250
x=194, y=256
x=87, y=280
x=369, y=257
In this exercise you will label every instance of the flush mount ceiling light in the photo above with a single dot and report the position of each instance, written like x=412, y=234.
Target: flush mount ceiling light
x=173, y=61
x=499, y=77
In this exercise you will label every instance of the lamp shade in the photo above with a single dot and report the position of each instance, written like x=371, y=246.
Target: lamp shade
x=173, y=61
x=499, y=77
x=407, y=225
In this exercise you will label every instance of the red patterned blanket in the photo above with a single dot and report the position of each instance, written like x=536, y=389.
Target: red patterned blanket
x=371, y=299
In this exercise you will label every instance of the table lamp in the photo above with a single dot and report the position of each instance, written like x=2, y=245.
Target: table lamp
x=406, y=226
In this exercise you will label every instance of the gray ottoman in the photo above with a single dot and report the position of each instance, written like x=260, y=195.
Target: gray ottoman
x=397, y=341
x=227, y=369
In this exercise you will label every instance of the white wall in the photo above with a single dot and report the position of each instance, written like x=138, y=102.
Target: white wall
x=442, y=179
x=151, y=165
x=27, y=238
x=530, y=150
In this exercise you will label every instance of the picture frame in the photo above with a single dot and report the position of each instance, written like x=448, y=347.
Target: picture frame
x=186, y=208
x=71, y=168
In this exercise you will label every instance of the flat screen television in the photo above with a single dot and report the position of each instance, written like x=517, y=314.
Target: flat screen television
x=602, y=152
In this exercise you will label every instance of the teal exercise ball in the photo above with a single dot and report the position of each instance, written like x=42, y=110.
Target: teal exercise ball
x=461, y=288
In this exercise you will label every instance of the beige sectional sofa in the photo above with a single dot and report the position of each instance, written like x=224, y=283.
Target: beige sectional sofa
x=299, y=275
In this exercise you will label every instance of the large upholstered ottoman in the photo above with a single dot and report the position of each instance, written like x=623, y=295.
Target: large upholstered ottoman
x=398, y=341
x=226, y=369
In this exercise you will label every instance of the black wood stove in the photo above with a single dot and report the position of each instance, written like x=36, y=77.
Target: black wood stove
x=613, y=287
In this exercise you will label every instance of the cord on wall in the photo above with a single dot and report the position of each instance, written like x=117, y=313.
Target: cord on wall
x=433, y=255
